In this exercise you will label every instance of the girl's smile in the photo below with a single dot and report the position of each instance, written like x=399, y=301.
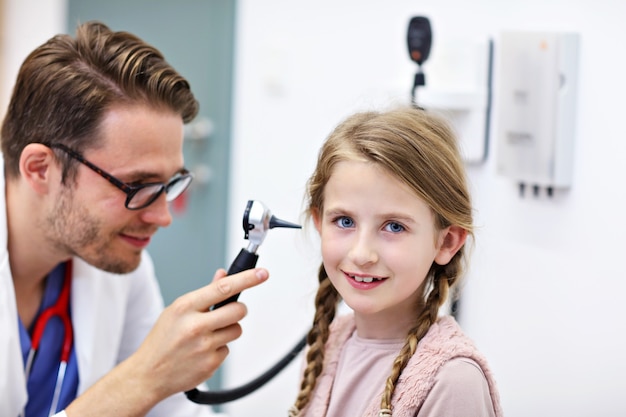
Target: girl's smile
x=364, y=282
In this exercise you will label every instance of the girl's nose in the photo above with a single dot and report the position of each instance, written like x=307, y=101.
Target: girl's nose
x=363, y=251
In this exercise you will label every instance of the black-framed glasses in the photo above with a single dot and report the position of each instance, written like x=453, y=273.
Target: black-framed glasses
x=142, y=195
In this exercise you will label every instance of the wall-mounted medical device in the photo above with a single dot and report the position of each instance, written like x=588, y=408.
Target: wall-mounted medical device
x=536, y=106
x=419, y=39
x=459, y=88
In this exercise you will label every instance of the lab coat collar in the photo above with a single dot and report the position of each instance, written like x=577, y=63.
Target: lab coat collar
x=97, y=321
x=12, y=380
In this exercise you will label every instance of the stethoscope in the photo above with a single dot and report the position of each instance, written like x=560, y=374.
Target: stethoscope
x=61, y=310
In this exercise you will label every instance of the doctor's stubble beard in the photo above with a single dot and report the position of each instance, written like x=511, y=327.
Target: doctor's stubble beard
x=71, y=227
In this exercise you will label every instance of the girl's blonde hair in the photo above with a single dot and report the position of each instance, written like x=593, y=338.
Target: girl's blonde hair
x=420, y=149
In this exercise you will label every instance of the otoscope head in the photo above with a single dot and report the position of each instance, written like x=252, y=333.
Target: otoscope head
x=257, y=220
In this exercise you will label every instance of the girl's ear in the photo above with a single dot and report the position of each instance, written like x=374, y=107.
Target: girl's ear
x=36, y=165
x=451, y=239
x=317, y=219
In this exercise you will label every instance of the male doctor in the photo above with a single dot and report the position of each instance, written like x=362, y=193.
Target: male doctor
x=91, y=156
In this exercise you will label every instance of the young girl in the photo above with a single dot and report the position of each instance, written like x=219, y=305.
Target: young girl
x=390, y=201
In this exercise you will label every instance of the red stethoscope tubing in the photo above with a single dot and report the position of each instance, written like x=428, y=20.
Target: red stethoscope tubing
x=61, y=310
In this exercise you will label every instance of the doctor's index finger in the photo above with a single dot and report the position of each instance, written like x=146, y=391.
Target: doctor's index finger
x=222, y=288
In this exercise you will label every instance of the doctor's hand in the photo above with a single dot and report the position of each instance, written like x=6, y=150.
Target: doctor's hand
x=184, y=348
x=188, y=342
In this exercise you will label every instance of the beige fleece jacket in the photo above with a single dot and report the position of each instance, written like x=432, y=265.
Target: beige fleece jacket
x=444, y=341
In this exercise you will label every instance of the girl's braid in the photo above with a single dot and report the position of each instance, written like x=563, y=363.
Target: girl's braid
x=326, y=302
x=443, y=277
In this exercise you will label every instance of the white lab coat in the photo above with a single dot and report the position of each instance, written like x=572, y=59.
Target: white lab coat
x=111, y=315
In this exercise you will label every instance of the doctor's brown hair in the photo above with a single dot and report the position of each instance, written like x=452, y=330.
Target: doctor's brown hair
x=65, y=86
x=420, y=150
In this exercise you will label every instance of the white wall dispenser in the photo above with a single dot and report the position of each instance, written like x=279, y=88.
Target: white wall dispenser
x=536, y=100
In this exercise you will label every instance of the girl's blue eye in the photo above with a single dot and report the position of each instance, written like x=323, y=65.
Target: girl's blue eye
x=394, y=227
x=344, y=222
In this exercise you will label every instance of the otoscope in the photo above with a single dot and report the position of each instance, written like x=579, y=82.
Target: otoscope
x=257, y=221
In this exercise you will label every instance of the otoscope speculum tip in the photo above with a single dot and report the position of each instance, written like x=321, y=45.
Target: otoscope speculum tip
x=276, y=222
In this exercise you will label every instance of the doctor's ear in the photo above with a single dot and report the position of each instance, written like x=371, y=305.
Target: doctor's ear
x=38, y=166
x=451, y=239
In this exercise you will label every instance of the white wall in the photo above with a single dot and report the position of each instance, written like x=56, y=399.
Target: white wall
x=546, y=295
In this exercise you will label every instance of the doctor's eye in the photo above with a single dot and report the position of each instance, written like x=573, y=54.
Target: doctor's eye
x=394, y=227
x=344, y=222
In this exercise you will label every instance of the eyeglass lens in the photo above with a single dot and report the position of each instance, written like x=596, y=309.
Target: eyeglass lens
x=146, y=195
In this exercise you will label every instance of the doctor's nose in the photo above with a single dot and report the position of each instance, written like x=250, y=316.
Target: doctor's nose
x=158, y=212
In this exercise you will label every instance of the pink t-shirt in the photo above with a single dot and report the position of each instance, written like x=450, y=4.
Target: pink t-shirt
x=460, y=387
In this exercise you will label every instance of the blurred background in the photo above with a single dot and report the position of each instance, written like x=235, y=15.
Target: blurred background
x=544, y=298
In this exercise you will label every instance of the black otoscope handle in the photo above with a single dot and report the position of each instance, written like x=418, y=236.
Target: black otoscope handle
x=244, y=261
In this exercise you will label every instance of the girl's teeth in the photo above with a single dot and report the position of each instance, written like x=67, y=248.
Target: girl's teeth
x=364, y=279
